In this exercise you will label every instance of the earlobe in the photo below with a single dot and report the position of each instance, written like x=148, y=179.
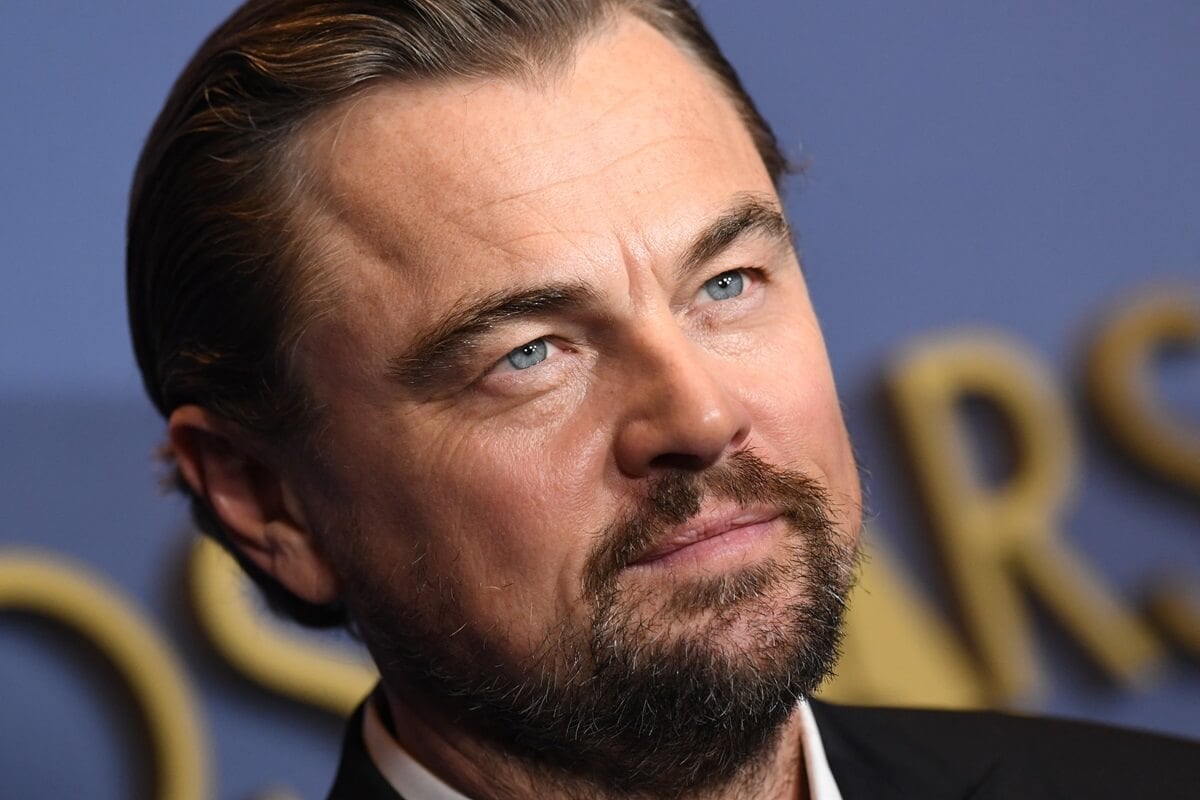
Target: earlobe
x=252, y=501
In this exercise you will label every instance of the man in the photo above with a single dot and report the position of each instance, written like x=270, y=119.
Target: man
x=478, y=327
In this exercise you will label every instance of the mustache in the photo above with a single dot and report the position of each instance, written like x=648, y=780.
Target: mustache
x=675, y=497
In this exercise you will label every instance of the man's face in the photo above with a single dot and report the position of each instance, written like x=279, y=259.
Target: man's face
x=571, y=380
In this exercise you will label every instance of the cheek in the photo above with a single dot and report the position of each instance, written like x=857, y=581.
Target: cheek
x=796, y=413
x=505, y=524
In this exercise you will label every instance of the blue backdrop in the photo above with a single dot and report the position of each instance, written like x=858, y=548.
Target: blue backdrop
x=1017, y=165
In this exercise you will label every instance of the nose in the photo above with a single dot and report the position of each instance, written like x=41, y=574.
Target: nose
x=681, y=412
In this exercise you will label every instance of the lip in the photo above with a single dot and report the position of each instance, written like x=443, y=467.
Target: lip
x=709, y=534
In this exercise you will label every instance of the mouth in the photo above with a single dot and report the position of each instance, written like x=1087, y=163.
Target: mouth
x=712, y=536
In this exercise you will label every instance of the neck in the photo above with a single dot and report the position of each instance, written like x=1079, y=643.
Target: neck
x=481, y=770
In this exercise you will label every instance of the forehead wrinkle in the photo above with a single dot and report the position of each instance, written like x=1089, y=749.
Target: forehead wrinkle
x=593, y=172
x=519, y=151
x=509, y=246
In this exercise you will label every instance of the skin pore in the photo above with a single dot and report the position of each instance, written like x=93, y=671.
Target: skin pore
x=576, y=413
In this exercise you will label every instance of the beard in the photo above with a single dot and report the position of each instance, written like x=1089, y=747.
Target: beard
x=664, y=689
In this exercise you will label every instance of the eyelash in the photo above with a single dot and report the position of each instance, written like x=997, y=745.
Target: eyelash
x=752, y=277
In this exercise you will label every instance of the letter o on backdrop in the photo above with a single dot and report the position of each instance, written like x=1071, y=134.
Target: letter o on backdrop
x=49, y=588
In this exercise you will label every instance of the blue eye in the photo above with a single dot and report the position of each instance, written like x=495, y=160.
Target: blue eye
x=724, y=286
x=528, y=355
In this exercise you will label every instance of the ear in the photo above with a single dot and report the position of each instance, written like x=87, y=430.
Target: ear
x=255, y=504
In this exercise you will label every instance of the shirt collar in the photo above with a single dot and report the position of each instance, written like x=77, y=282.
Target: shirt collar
x=821, y=785
x=413, y=781
x=409, y=777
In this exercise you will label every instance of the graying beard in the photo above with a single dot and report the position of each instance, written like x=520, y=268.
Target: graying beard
x=622, y=706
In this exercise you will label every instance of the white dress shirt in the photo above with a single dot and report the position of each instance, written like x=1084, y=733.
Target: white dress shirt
x=414, y=781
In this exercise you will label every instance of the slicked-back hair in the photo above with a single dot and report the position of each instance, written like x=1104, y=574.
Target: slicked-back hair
x=220, y=277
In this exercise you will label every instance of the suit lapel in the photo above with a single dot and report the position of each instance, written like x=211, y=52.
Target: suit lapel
x=357, y=776
x=879, y=754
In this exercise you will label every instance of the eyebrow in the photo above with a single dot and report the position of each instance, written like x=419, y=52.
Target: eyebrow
x=750, y=215
x=436, y=358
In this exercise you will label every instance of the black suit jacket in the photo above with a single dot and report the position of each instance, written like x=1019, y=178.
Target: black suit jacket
x=883, y=753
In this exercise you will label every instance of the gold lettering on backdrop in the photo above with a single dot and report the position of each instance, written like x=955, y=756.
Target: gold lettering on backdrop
x=1121, y=390
x=990, y=535
x=67, y=594
x=1174, y=604
x=897, y=650
x=1121, y=383
x=317, y=673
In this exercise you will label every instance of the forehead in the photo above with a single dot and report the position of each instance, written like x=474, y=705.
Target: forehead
x=622, y=156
